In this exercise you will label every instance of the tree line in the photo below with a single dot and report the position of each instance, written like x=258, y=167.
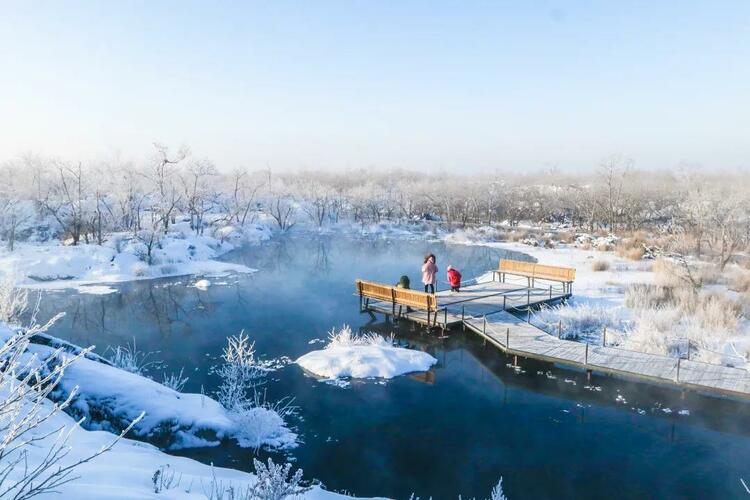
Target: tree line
x=90, y=201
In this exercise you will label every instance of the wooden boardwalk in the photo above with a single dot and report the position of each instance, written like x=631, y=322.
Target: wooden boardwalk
x=517, y=337
x=485, y=309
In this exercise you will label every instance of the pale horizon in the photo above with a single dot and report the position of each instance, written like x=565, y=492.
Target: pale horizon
x=416, y=86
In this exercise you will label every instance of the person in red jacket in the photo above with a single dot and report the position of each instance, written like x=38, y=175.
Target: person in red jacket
x=454, y=278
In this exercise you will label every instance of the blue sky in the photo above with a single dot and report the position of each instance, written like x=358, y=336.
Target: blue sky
x=470, y=86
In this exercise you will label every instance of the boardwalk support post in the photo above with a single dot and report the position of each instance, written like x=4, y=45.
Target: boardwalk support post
x=550, y=292
x=586, y=355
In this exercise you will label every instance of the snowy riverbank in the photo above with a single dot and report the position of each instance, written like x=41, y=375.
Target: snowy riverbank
x=122, y=257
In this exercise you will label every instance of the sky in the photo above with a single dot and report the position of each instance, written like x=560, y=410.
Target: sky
x=425, y=85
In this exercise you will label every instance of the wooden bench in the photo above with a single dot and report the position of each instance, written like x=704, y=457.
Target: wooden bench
x=397, y=297
x=532, y=272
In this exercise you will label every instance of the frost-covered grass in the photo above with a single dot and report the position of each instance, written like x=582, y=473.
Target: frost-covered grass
x=344, y=337
x=669, y=318
x=130, y=359
x=363, y=356
x=583, y=320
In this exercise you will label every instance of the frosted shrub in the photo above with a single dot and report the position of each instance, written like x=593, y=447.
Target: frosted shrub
x=739, y=281
x=261, y=424
x=275, y=482
x=641, y=296
x=130, y=359
x=497, y=492
x=168, y=269
x=13, y=300
x=165, y=478
x=140, y=269
x=175, y=381
x=583, y=321
x=600, y=265
x=239, y=373
x=346, y=338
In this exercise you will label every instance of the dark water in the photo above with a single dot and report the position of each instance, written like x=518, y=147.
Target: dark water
x=454, y=431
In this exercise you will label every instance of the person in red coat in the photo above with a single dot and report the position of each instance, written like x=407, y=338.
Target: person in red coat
x=454, y=279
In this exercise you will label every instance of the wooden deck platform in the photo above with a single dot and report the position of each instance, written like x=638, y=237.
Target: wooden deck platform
x=485, y=309
x=474, y=301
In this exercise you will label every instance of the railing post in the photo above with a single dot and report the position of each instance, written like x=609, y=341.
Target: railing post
x=507, y=338
x=677, y=378
x=586, y=355
x=484, y=325
x=550, y=292
x=505, y=297
x=429, y=308
x=559, y=329
x=393, y=301
x=688, y=349
x=445, y=320
x=528, y=297
x=604, y=337
x=528, y=315
x=359, y=286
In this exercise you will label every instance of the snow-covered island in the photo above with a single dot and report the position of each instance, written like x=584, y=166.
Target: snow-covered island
x=348, y=355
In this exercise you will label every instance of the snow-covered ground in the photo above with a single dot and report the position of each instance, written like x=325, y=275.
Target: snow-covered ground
x=363, y=356
x=126, y=472
x=123, y=258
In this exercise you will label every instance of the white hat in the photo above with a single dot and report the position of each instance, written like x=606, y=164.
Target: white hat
x=450, y=267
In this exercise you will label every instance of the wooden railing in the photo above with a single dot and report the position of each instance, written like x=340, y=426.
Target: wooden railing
x=540, y=271
x=397, y=297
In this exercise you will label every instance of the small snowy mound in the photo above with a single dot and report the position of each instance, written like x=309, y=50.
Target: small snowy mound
x=202, y=284
x=363, y=356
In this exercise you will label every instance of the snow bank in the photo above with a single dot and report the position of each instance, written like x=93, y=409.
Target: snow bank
x=349, y=355
x=121, y=258
x=110, y=398
x=127, y=470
